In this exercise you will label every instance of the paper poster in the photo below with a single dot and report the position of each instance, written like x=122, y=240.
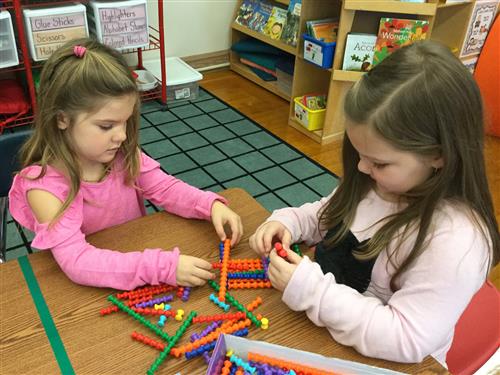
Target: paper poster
x=470, y=63
x=481, y=19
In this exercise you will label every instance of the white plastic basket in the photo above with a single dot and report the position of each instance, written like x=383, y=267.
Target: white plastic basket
x=120, y=24
x=48, y=28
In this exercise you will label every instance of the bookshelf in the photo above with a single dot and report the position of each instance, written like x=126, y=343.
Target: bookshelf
x=447, y=24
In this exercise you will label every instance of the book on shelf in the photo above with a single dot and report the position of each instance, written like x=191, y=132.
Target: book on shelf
x=246, y=12
x=324, y=30
x=260, y=16
x=291, y=30
x=275, y=23
x=395, y=33
x=359, y=50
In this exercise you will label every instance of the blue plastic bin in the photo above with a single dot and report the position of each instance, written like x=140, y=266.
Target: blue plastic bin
x=318, y=52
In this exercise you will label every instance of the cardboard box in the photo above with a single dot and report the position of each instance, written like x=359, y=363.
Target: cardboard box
x=242, y=346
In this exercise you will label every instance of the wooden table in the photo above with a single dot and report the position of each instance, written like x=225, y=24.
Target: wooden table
x=91, y=344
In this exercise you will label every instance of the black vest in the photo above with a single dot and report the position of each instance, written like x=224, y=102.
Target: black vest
x=340, y=261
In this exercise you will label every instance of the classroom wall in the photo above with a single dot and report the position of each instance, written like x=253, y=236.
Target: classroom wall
x=193, y=27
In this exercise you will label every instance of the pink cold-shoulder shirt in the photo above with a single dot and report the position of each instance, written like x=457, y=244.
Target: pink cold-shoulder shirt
x=406, y=325
x=101, y=205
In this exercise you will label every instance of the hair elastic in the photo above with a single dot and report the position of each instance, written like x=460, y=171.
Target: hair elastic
x=79, y=51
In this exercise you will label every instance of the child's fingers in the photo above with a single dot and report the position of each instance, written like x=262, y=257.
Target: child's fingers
x=293, y=257
x=276, y=261
x=202, y=263
x=286, y=239
x=202, y=274
x=267, y=240
x=236, y=230
x=219, y=229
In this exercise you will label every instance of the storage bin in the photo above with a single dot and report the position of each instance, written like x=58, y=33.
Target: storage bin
x=318, y=52
x=120, y=24
x=182, y=79
x=8, y=49
x=241, y=347
x=48, y=28
x=311, y=119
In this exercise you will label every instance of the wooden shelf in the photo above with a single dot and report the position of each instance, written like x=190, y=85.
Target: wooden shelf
x=448, y=5
x=247, y=73
x=346, y=75
x=388, y=6
x=316, y=135
x=263, y=38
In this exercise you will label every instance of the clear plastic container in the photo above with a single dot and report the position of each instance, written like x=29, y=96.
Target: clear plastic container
x=8, y=49
x=182, y=79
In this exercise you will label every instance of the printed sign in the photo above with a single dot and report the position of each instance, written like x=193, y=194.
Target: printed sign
x=124, y=27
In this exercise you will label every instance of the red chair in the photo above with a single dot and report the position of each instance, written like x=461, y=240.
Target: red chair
x=477, y=333
x=487, y=75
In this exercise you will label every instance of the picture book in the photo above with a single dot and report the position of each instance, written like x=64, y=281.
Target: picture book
x=359, y=50
x=324, y=30
x=395, y=33
x=275, y=23
x=260, y=16
x=291, y=30
x=482, y=17
x=246, y=11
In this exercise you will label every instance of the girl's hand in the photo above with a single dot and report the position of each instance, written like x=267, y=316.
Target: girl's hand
x=262, y=240
x=281, y=270
x=192, y=271
x=222, y=215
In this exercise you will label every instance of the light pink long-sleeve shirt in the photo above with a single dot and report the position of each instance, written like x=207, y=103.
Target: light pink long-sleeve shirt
x=419, y=318
x=101, y=205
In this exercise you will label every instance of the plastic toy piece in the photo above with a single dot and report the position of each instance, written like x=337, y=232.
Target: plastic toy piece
x=254, y=304
x=236, y=304
x=265, y=323
x=258, y=274
x=241, y=363
x=248, y=284
x=160, y=306
x=109, y=310
x=287, y=364
x=138, y=317
x=162, y=320
x=296, y=250
x=209, y=318
x=241, y=264
x=155, y=301
x=280, y=250
x=153, y=312
x=185, y=294
x=228, y=328
x=179, y=315
x=148, y=341
x=227, y=367
x=223, y=270
x=206, y=357
x=171, y=344
x=211, y=327
x=147, y=290
x=224, y=306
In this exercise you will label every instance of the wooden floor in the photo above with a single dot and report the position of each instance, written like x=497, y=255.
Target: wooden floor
x=271, y=112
